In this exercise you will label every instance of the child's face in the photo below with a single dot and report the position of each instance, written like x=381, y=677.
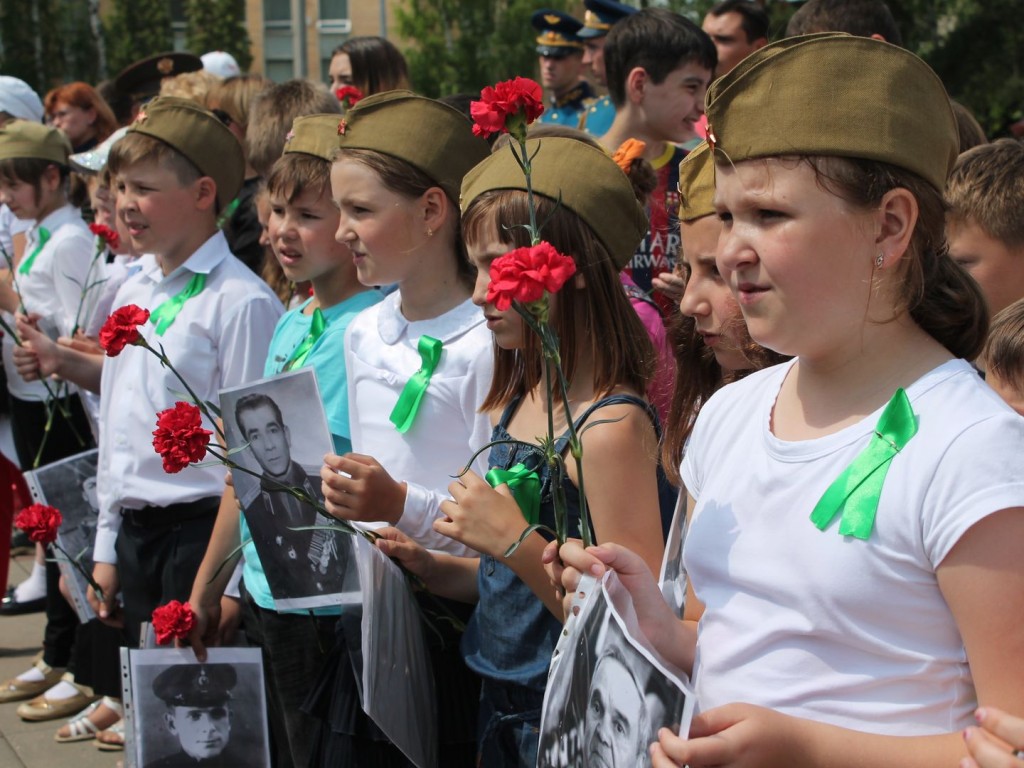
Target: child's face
x=151, y=203
x=798, y=259
x=997, y=268
x=302, y=234
x=672, y=106
x=507, y=326
x=1011, y=395
x=707, y=298
x=20, y=197
x=381, y=227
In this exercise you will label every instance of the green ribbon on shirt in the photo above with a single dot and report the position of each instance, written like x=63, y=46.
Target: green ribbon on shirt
x=228, y=212
x=524, y=483
x=163, y=317
x=408, y=404
x=316, y=329
x=43, y=235
x=856, y=492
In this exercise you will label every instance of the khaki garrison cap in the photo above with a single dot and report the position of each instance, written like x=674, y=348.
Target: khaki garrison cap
x=198, y=135
x=589, y=182
x=315, y=135
x=433, y=137
x=697, y=184
x=835, y=95
x=22, y=139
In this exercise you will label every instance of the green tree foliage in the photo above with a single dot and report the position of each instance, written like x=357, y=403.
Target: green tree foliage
x=47, y=42
x=218, y=25
x=975, y=46
x=136, y=29
x=463, y=45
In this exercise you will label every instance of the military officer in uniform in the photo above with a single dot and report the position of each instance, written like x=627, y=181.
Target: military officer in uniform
x=198, y=699
x=598, y=21
x=561, y=67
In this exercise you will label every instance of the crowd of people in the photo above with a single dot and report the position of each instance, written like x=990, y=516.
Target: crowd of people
x=798, y=305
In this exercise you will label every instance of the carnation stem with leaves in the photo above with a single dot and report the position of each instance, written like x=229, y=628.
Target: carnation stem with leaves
x=105, y=238
x=180, y=438
x=525, y=279
x=41, y=522
x=54, y=399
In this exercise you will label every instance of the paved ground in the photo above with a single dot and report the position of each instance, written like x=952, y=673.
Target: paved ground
x=31, y=745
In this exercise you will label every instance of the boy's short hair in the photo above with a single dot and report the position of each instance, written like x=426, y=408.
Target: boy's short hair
x=295, y=172
x=137, y=148
x=986, y=188
x=754, y=19
x=196, y=134
x=272, y=113
x=862, y=18
x=658, y=40
x=1003, y=355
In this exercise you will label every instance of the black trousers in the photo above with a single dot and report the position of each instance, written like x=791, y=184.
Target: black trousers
x=159, y=551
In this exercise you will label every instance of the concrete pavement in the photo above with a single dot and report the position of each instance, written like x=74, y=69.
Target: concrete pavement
x=31, y=745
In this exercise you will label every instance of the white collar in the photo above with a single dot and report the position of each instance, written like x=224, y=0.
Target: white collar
x=392, y=324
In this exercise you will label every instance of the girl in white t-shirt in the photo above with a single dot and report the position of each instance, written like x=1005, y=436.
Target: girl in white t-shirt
x=396, y=182
x=854, y=515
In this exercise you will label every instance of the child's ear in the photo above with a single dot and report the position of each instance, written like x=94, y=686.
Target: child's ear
x=636, y=82
x=435, y=207
x=205, y=193
x=896, y=219
x=51, y=177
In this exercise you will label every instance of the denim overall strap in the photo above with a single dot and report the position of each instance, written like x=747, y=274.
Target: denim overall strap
x=562, y=443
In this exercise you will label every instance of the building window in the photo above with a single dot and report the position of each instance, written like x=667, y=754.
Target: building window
x=178, y=26
x=333, y=29
x=278, y=49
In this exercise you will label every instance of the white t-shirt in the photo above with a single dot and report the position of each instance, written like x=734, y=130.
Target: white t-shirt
x=380, y=357
x=52, y=288
x=837, y=629
x=218, y=340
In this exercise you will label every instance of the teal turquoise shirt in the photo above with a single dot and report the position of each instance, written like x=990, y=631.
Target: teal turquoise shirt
x=327, y=358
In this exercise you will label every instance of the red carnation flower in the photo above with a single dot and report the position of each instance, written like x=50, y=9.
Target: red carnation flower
x=348, y=95
x=174, y=620
x=111, y=237
x=122, y=329
x=179, y=436
x=524, y=275
x=40, y=522
x=508, y=107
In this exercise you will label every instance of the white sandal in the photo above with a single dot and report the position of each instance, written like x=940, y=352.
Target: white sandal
x=81, y=727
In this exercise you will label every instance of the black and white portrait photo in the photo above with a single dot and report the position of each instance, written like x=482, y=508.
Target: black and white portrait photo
x=70, y=486
x=198, y=715
x=607, y=695
x=277, y=429
x=673, y=575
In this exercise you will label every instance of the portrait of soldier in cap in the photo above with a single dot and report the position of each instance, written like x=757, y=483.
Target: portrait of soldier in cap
x=198, y=715
x=304, y=568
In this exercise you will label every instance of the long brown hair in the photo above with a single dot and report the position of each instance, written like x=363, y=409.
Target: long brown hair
x=698, y=377
x=594, y=321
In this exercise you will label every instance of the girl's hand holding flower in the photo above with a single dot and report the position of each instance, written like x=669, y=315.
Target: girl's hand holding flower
x=487, y=519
